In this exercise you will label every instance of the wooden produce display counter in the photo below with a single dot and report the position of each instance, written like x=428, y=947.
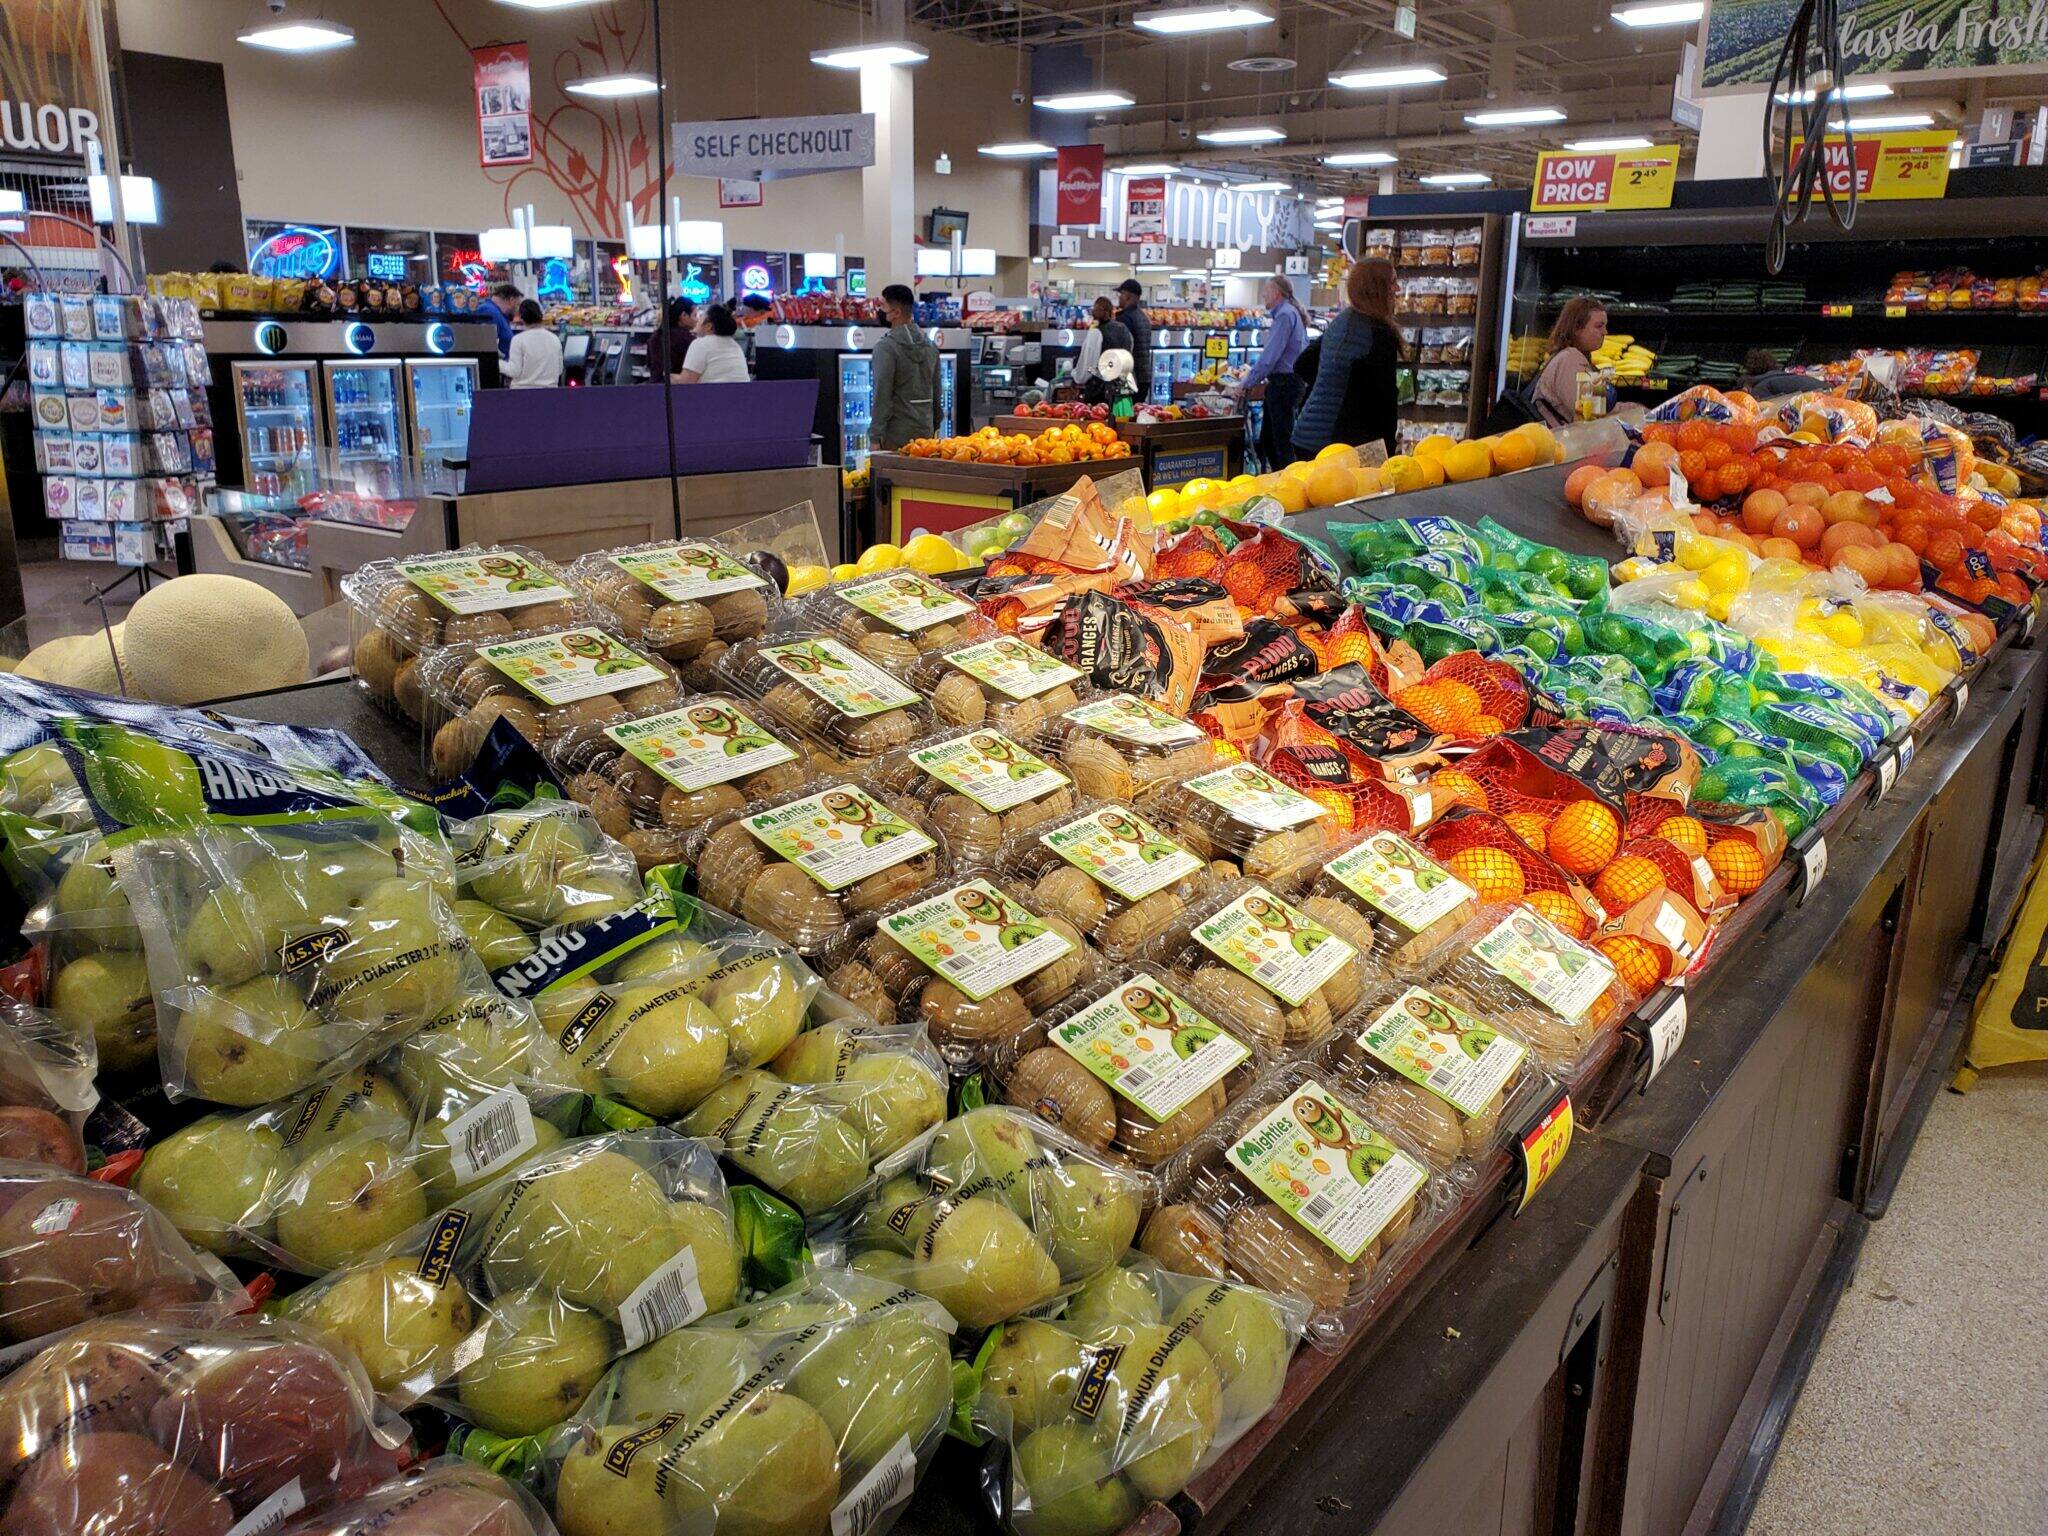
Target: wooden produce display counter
x=941, y=495
x=1169, y=452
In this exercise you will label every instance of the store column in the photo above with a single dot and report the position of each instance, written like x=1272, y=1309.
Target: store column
x=1731, y=137
x=888, y=188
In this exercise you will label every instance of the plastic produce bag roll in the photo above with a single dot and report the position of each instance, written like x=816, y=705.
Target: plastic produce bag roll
x=508, y=1306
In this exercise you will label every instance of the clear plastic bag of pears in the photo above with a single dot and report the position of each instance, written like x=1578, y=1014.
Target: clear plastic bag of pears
x=443, y=1497
x=1144, y=1381
x=544, y=864
x=47, y=1087
x=317, y=1180
x=507, y=1306
x=992, y=1215
x=813, y=1410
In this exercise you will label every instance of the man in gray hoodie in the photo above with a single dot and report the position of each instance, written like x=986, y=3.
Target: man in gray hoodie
x=906, y=398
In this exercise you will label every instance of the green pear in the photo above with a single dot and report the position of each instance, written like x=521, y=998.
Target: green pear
x=1168, y=1402
x=572, y=1042
x=398, y=964
x=497, y=940
x=481, y=1042
x=1065, y=1485
x=981, y=1263
x=1031, y=1375
x=91, y=905
x=539, y=866
x=899, y=1099
x=987, y=1150
x=434, y=1162
x=361, y=1105
x=108, y=996
x=1087, y=1215
x=893, y=1269
x=798, y=1141
x=1247, y=1341
x=593, y=1228
x=761, y=1001
x=689, y=1371
x=669, y=955
x=896, y=1217
x=34, y=776
x=590, y=890
x=875, y=1383
x=820, y=1055
x=769, y=1468
x=249, y=1043
x=242, y=928
x=668, y=1049
x=396, y=1323
x=542, y=1360
x=591, y=1499
x=1115, y=1298
x=707, y=1232
x=348, y=1201
x=212, y=1178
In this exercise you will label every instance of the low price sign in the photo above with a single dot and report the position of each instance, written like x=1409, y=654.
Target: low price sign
x=1888, y=166
x=1629, y=178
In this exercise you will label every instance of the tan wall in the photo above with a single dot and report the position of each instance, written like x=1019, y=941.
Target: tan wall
x=384, y=133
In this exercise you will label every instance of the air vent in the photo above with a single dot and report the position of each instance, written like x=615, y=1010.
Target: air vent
x=1262, y=64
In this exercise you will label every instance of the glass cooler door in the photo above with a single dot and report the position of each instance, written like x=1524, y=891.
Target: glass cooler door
x=440, y=391
x=279, y=416
x=856, y=404
x=364, y=404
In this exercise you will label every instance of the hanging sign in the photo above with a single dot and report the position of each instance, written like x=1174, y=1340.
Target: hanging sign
x=789, y=146
x=504, y=104
x=738, y=192
x=1145, y=208
x=1630, y=178
x=1152, y=253
x=1890, y=167
x=1079, y=184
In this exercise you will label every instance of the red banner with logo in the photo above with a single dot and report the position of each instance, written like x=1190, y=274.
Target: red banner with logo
x=504, y=104
x=1079, y=176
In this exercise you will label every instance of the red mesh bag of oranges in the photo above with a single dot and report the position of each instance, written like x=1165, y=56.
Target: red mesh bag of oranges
x=1305, y=756
x=1265, y=566
x=1485, y=853
x=1468, y=697
x=1754, y=844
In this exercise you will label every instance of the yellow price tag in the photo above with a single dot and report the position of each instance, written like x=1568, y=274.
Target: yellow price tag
x=1543, y=1147
x=1895, y=311
x=1216, y=348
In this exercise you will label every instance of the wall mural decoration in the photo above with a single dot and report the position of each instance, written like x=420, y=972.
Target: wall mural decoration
x=597, y=154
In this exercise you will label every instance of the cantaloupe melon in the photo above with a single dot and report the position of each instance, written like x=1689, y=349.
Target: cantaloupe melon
x=212, y=637
x=78, y=661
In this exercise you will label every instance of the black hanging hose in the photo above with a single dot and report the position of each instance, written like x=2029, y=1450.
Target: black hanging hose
x=1803, y=91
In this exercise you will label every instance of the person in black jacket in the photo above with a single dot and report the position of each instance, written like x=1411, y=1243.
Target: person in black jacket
x=1130, y=298
x=1354, y=398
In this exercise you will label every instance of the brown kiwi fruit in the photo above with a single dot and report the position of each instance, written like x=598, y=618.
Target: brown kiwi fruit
x=1098, y=769
x=1066, y=892
x=1238, y=1003
x=855, y=984
x=377, y=660
x=1267, y=1248
x=792, y=906
x=1059, y=1090
x=971, y=834
x=677, y=630
x=739, y=615
x=1050, y=983
x=956, y=1019
x=607, y=805
x=729, y=861
x=1187, y=1240
x=958, y=700
x=681, y=808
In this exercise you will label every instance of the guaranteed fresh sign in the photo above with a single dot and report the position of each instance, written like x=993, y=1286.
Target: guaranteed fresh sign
x=1634, y=178
x=793, y=146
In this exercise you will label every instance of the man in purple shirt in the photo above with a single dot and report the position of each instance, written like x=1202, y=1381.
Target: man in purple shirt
x=1274, y=368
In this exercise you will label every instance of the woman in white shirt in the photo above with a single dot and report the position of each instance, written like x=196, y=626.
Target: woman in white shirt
x=536, y=358
x=715, y=358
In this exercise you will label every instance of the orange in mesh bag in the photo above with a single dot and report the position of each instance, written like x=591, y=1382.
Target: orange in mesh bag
x=1192, y=552
x=1480, y=843
x=1305, y=756
x=1468, y=696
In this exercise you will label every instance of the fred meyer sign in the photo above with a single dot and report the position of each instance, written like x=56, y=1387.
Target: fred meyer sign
x=1890, y=167
x=1630, y=178
x=745, y=148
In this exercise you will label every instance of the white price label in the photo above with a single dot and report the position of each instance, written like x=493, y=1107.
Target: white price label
x=877, y=1494
x=1667, y=1033
x=1814, y=864
x=1419, y=808
x=2027, y=625
x=663, y=1302
x=1962, y=699
x=272, y=1512
x=1887, y=774
x=484, y=1139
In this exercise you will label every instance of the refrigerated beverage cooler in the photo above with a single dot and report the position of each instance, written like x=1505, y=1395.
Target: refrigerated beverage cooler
x=856, y=402
x=277, y=412
x=439, y=392
x=365, y=410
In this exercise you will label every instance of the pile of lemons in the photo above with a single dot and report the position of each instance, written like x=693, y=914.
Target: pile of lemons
x=927, y=552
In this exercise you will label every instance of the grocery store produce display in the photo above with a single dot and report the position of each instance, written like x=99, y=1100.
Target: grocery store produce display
x=815, y=1020
x=1070, y=444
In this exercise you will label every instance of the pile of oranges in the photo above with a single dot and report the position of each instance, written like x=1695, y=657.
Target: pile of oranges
x=1070, y=444
x=1451, y=708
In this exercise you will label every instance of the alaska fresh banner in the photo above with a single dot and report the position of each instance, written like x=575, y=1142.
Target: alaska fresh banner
x=1879, y=37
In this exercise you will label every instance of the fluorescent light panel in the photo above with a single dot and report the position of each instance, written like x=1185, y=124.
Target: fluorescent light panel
x=1514, y=117
x=1022, y=149
x=298, y=36
x=1262, y=186
x=1879, y=122
x=821, y=264
x=546, y=5
x=1146, y=170
x=1241, y=136
x=1085, y=101
x=1389, y=78
x=1660, y=13
x=858, y=54
x=1093, y=266
x=1600, y=146
x=1188, y=20
x=138, y=200
x=613, y=85
x=1457, y=179
x=1361, y=157
x=1855, y=90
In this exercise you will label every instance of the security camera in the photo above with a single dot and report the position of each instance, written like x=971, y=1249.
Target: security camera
x=1017, y=98
x=1184, y=131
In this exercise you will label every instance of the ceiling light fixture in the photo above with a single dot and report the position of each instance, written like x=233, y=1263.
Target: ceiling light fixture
x=283, y=35
x=613, y=85
x=1361, y=157
x=1601, y=146
x=1457, y=179
x=1241, y=136
x=1189, y=20
x=1022, y=149
x=1093, y=265
x=546, y=5
x=1389, y=78
x=859, y=54
x=1855, y=90
x=1514, y=117
x=1660, y=13
x=1146, y=170
x=1085, y=101
x=1263, y=186
x=1880, y=122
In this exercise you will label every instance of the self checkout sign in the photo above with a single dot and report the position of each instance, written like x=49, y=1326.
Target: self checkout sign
x=1633, y=178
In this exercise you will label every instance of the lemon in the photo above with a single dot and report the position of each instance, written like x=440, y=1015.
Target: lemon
x=930, y=554
x=1843, y=627
x=1635, y=568
x=1696, y=553
x=1720, y=605
x=845, y=572
x=1340, y=451
x=1246, y=484
x=1134, y=508
x=1729, y=574
x=807, y=578
x=1163, y=504
x=878, y=557
x=1691, y=593
x=1198, y=490
x=1434, y=444
x=1403, y=473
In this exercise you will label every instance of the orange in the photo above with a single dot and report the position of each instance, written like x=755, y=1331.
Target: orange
x=1423, y=701
x=1449, y=787
x=1627, y=881
x=1737, y=864
x=1461, y=701
x=1517, y=450
x=1584, y=836
x=1492, y=874
x=1687, y=833
x=1342, y=813
x=1529, y=826
x=1486, y=725
x=1330, y=483
x=1576, y=482
x=1343, y=453
x=1563, y=914
x=1467, y=461
x=1639, y=963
